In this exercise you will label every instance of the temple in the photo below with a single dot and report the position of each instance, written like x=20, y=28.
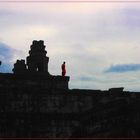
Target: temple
x=36, y=67
x=36, y=104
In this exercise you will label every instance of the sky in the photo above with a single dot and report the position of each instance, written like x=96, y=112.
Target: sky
x=100, y=42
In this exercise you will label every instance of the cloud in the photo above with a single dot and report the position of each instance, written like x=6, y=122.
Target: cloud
x=6, y=68
x=6, y=12
x=5, y=52
x=124, y=68
x=7, y=56
x=85, y=78
x=130, y=17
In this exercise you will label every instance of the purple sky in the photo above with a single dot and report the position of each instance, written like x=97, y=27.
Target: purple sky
x=99, y=41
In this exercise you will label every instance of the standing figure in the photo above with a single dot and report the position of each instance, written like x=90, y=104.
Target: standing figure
x=63, y=67
x=0, y=62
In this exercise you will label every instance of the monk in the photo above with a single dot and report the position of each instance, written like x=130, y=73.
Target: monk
x=63, y=67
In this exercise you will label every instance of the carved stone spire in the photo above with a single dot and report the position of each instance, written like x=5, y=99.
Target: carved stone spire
x=37, y=59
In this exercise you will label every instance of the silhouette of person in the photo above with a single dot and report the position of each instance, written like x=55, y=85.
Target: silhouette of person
x=63, y=67
x=0, y=62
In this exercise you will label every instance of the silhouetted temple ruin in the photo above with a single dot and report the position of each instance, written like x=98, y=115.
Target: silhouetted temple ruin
x=36, y=104
x=37, y=61
x=36, y=67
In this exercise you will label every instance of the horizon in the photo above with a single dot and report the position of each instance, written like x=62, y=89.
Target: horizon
x=99, y=41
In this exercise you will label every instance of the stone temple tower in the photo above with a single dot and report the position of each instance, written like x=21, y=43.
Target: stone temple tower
x=34, y=71
x=37, y=61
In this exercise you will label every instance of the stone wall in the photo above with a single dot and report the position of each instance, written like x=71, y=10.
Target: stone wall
x=36, y=111
x=34, y=80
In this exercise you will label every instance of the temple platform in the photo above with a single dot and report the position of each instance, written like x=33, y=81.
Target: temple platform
x=34, y=79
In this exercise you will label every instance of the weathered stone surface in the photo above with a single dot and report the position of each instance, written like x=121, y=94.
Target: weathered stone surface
x=20, y=67
x=35, y=111
x=37, y=59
